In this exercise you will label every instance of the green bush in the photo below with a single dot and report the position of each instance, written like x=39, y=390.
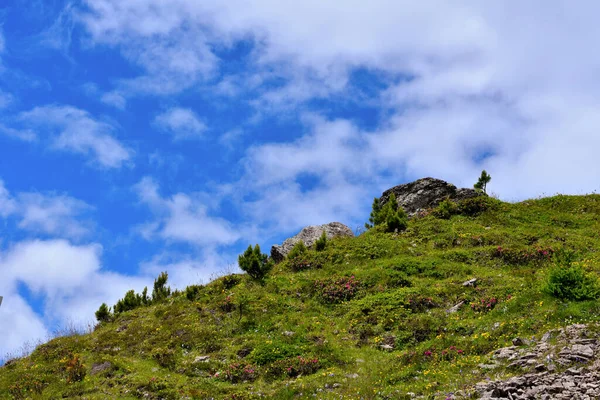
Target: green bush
x=321, y=243
x=375, y=217
x=230, y=281
x=298, y=249
x=267, y=353
x=166, y=357
x=254, y=263
x=103, y=313
x=446, y=209
x=476, y=205
x=307, y=260
x=192, y=291
x=391, y=216
x=571, y=282
x=129, y=302
x=161, y=291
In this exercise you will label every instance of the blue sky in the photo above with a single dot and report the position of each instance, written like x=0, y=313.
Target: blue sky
x=142, y=136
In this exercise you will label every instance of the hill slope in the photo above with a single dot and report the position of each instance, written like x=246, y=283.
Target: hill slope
x=366, y=318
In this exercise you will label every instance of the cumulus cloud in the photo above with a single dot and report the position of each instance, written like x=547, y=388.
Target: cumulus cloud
x=68, y=278
x=477, y=85
x=46, y=214
x=78, y=132
x=183, y=218
x=53, y=215
x=181, y=123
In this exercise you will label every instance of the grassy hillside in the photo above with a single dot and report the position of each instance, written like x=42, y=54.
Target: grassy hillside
x=366, y=318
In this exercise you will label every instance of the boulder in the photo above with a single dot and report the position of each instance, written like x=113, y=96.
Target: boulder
x=426, y=193
x=309, y=236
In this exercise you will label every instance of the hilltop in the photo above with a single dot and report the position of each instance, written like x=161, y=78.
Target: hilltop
x=462, y=296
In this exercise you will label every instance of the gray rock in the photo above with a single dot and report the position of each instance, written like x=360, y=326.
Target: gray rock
x=455, y=308
x=470, y=282
x=574, y=347
x=98, y=368
x=309, y=236
x=426, y=193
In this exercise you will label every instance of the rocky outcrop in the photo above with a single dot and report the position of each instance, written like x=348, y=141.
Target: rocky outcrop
x=567, y=369
x=309, y=236
x=426, y=193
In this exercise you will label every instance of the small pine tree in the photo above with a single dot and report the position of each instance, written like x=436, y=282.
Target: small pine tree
x=321, y=243
x=393, y=216
x=484, y=179
x=298, y=249
x=374, y=218
x=103, y=313
x=254, y=263
x=161, y=291
x=145, y=299
x=129, y=302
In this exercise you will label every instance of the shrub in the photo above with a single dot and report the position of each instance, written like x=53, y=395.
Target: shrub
x=103, y=313
x=254, y=263
x=293, y=367
x=485, y=304
x=521, y=256
x=476, y=205
x=375, y=217
x=227, y=305
x=321, y=243
x=164, y=357
x=298, y=249
x=230, y=281
x=571, y=282
x=307, y=260
x=267, y=353
x=74, y=368
x=161, y=291
x=129, y=302
x=446, y=209
x=192, y=291
x=337, y=290
x=390, y=215
x=482, y=182
x=239, y=372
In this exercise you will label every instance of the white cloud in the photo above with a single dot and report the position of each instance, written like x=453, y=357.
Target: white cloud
x=181, y=123
x=47, y=214
x=114, y=99
x=53, y=267
x=70, y=281
x=7, y=204
x=19, y=326
x=184, y=218
x=25, y=135
x=53, y=215
x=79, y=132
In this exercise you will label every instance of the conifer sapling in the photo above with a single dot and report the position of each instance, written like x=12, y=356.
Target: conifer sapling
x=254, y=263
x=484, y=179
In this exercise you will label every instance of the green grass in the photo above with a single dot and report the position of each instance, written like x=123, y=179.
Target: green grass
x=405, y=282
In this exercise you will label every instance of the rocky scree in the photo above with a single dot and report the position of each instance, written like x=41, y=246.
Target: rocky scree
x=567, y=369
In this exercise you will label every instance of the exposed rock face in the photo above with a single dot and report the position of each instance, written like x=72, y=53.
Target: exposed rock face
x=569, y=369
x=309, y=236
x=426, y=193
